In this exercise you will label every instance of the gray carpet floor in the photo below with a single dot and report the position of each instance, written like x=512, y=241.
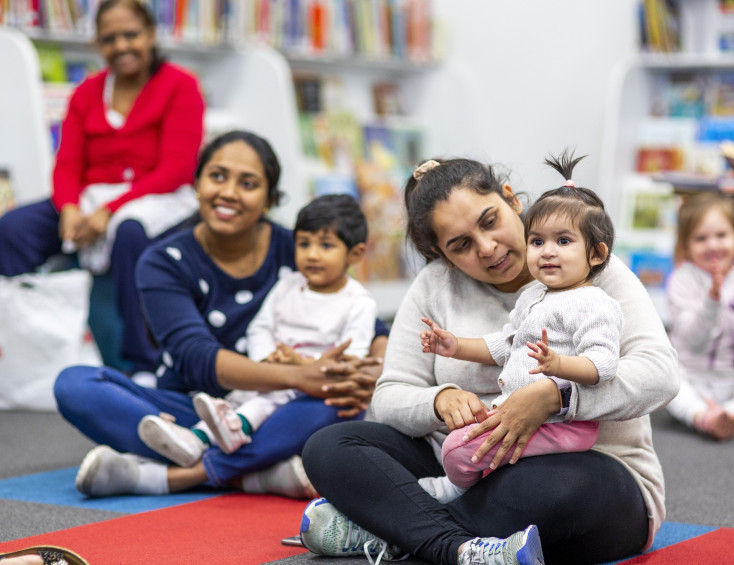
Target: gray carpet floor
x=698, y=474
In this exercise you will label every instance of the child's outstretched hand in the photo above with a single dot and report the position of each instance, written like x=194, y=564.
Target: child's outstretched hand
x=548, y=360
x=438, y=341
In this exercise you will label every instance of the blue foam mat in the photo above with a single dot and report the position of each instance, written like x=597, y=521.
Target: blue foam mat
x=57, y=487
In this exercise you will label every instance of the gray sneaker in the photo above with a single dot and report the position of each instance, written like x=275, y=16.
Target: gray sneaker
x=521, y=548
x=326, y=531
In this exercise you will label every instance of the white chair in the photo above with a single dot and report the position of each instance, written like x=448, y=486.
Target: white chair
x=25, y=141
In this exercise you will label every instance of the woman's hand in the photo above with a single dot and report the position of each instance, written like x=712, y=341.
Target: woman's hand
x=458, y=408
x=69, y=220
x=355, y=392
x=516, y=419
x=92, y=227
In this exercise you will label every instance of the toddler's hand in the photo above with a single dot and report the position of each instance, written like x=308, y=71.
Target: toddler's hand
x=438, y=341
x=548, y=360
x=717, y=280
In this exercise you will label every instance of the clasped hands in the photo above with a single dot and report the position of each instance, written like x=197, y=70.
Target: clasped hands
x=80, y=229
x=345, y=381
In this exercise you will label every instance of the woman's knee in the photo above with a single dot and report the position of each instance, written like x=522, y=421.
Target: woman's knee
x=130, y=241
x=325, y=444
x=70, y=382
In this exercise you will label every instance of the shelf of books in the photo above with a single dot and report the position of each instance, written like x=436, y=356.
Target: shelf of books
x=341, y=93
x=364, y=30
x=670, y=118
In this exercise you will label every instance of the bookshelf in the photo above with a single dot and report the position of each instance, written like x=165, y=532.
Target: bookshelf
x=246, y=47
x=667, y=113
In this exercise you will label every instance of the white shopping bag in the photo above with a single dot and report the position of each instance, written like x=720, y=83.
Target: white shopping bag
x=43, y=329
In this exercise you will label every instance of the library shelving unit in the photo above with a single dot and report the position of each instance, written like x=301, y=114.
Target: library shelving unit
x=644, y=206
x=248, y=84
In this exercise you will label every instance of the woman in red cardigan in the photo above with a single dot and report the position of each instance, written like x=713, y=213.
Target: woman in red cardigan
x=122, y=176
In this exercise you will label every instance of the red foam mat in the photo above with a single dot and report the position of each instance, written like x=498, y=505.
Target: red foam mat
x=234, y=528
x=714, y=547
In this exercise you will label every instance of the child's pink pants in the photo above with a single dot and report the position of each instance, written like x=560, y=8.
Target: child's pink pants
x=563, y=437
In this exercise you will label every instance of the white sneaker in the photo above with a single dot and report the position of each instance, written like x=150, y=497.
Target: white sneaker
x=222, y=420
x=326, y=531
x=174, y=442
x=287, y=478
x=521, y=548
x=105, y=472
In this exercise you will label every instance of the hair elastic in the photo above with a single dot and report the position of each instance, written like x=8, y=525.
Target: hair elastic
x=424, y=168
x=570, y=183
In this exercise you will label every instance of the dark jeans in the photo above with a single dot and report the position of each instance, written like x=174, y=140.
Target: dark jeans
x=587, y=507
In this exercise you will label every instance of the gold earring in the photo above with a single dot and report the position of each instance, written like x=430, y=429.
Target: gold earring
x=266, y=210
x=198, y=196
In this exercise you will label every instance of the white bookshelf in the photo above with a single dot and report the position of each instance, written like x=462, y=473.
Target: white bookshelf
x=628, y=120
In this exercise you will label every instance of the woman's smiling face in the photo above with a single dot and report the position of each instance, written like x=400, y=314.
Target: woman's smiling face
x=233, y=189
x=483, y=236
x=125, y=42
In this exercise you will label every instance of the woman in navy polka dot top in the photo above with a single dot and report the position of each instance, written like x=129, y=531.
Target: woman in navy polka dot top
x=200, y=289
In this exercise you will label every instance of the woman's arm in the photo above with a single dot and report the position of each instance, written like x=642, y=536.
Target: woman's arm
x=235, y=371
x=647, y=372
x=69, y=164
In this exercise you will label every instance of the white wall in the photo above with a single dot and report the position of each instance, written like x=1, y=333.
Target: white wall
x=539, y=72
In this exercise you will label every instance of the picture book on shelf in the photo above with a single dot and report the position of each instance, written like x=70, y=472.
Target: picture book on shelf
x=651, y=267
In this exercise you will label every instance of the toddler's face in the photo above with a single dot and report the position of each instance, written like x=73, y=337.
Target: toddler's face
x=323, y=259
x=557, y=254
x=711, y=245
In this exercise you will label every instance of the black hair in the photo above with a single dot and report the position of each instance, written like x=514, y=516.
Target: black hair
x=144, y=13
x=264, y=151
x=339, y=212
x=580, y=205
x=435, y=186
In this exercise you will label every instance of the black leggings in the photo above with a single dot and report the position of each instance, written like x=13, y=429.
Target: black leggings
x=587, y=507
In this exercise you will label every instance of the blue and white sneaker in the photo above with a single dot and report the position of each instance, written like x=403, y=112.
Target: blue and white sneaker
x=521, y=548
x=326, y=531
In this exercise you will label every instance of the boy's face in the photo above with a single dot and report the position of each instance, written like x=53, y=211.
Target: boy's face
x=323, y=259
x=557, y=254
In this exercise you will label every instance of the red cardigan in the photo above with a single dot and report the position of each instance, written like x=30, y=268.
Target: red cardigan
x=156, y=148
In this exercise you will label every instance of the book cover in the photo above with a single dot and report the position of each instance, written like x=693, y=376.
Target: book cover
x=52, y=62
x=308, y=92
x=659, y=159
x=651, y=267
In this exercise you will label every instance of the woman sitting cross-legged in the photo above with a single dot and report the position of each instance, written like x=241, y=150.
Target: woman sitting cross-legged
x=200, y=289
